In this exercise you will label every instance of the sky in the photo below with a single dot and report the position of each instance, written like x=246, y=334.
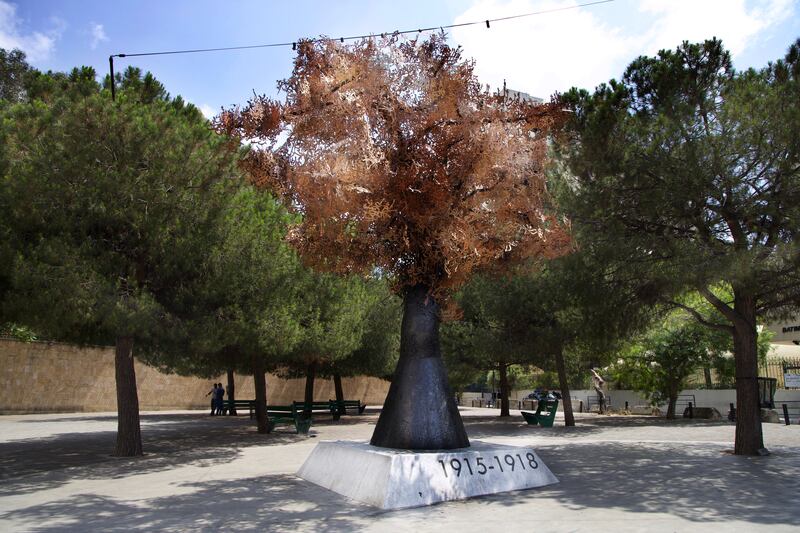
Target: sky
x=540, y=54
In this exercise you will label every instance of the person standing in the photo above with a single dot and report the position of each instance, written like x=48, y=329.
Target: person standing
x=213, y=394
x=219, y=395
x=598, y=383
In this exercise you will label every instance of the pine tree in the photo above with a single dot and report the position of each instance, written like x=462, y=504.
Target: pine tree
x=695, y=167
x=107, y=207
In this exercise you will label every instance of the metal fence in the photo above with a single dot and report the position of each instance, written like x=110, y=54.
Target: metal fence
x=595, y=400
x=684, y=401
x=773, y=368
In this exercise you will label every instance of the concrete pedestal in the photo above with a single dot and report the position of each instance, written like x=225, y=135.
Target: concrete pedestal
x=395, y=479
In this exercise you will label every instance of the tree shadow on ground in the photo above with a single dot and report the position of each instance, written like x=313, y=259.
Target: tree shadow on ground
x=266, y=503
x=639, y=421
x=486, y=426
x=479, y=427
x=29, y=465
x=697, y=482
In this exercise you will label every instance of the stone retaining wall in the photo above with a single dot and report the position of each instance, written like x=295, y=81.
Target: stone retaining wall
x=54, y=377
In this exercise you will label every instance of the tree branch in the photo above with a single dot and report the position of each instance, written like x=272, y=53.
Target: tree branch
x=700, y=318
x=721, y=306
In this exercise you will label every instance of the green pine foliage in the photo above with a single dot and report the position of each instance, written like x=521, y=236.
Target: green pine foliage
x=107, y=208
x=244, y=305
x=15, y=76
x=696, y=167
x=692, y=170
x=332, y=312
x=379, y=346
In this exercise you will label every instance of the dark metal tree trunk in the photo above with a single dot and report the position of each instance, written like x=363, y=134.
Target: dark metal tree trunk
x=129, y=433
x=260, y=384
x=231, y=392
x=749, y=437
x=563, y=383
x=311, y=373
x=337, y=385
x=504, y=392
x=420, y=413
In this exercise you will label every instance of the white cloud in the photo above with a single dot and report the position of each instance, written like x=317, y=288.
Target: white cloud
x=98, y=34
x=540, y=54
x=555, y=51
x=37, y=46
x=729, y=20
x=207, y=111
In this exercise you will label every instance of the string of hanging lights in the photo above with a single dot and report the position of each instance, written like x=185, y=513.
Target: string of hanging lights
x=293, y=44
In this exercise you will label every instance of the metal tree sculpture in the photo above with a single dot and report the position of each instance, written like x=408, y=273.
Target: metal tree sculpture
x=398, y=160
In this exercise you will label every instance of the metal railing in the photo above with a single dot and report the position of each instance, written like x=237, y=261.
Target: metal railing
x=488, y=402
x=790, y=409
x=687, y=401
x=775, y=368
x=595, y=400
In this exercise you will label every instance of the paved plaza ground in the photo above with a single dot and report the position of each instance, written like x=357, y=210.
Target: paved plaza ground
x=215, y=473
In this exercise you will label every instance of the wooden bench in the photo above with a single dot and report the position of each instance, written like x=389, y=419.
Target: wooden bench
x=344, y=405
x=318, y=407
x=227, y=405
x=287, y=415
x=545, y=414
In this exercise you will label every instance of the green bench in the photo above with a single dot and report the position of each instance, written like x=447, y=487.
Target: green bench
x=287, y=415
x=250, y=405
x=344, y=405
x=318, y=407
x=545, y=414
x=277, y=414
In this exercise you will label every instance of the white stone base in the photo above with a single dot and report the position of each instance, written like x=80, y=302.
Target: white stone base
x=395, y=479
